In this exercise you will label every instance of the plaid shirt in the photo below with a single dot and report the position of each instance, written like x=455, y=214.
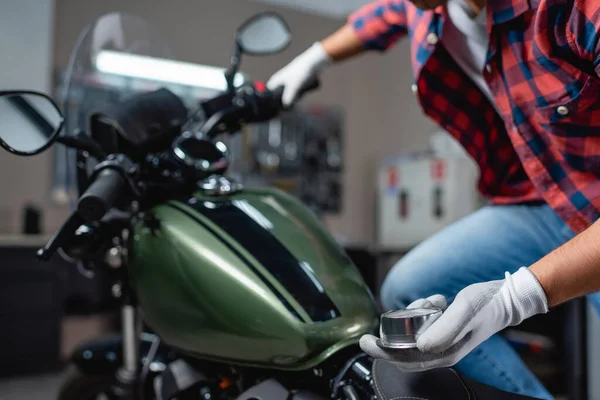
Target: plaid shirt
x=542, y=68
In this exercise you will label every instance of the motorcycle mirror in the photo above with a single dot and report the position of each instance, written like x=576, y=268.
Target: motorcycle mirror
x=263, y=34
x=29, y=122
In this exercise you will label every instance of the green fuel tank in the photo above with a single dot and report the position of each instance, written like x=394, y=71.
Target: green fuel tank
x=251, y=278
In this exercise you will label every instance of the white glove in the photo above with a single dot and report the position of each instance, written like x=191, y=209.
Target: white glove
x=478, y=312
x=294, y=75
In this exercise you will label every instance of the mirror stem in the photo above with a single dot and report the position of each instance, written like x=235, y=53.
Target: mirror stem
x=233, y=69
x=83, y=143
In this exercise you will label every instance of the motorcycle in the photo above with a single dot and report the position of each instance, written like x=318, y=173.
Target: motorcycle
x=243, y=291
x=225, y=292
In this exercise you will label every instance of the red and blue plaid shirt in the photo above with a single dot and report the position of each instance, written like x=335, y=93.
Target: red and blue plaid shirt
x=543, y=69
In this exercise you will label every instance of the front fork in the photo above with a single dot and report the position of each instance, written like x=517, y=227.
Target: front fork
x=127, y=375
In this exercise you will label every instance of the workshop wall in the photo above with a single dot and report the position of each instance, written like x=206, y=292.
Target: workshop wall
x=26, y=46
x=382, y=114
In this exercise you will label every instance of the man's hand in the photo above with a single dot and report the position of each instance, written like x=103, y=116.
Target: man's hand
x=340, y=45
x=478, y=312
x=295, y=75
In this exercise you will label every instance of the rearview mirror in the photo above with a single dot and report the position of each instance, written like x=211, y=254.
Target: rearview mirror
x=29, y=122
x=265, y=33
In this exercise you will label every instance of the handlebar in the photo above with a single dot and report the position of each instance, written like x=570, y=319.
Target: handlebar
x=92, y=206
x=252, y=103
x=100, y=195
x=312, y=84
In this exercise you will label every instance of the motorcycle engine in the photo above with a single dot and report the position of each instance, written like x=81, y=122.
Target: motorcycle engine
x=273, y=390
x=182, y=381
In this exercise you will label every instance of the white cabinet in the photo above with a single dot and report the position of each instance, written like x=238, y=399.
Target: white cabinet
x=419, y=195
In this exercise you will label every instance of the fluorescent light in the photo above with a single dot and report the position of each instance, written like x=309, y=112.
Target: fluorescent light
x=163, y=70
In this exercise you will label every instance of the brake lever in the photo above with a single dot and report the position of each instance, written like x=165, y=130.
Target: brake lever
x=66, y=231
x=313, y=83
x=251, y=103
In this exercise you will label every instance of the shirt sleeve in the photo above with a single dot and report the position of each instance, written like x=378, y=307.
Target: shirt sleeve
x=380, y=24
x=584, y=31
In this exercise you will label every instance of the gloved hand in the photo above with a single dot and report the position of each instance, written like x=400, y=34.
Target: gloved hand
x=294, y=75
x=478, y=312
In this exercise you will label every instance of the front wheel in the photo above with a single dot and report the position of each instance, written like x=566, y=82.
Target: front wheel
x=79, y=386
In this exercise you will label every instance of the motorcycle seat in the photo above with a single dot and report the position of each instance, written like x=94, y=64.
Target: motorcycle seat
x=438, y=384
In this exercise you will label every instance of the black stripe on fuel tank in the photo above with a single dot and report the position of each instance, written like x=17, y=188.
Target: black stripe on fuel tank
x=294, y=275
x=241, y=257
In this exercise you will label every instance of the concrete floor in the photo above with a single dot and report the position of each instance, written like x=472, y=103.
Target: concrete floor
x=39, y=387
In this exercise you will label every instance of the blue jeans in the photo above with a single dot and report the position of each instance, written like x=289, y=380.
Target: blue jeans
x=479, y=248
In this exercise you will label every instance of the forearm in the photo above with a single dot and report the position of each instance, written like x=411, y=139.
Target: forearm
x=572, y=270
x=342, y=44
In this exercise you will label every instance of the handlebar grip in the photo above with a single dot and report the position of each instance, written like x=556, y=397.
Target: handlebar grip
x=100, y=195
x=311, y=84
x=278, y=94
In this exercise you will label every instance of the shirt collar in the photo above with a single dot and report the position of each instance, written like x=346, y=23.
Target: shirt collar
x=501, y=11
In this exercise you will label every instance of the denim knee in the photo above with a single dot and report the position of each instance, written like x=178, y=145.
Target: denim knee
x=387, y=296
x=399, y=288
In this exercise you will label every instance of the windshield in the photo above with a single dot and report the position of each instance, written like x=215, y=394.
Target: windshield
x=118, y=56
x=88, y=86
x=101, y=69
x=104, y=69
